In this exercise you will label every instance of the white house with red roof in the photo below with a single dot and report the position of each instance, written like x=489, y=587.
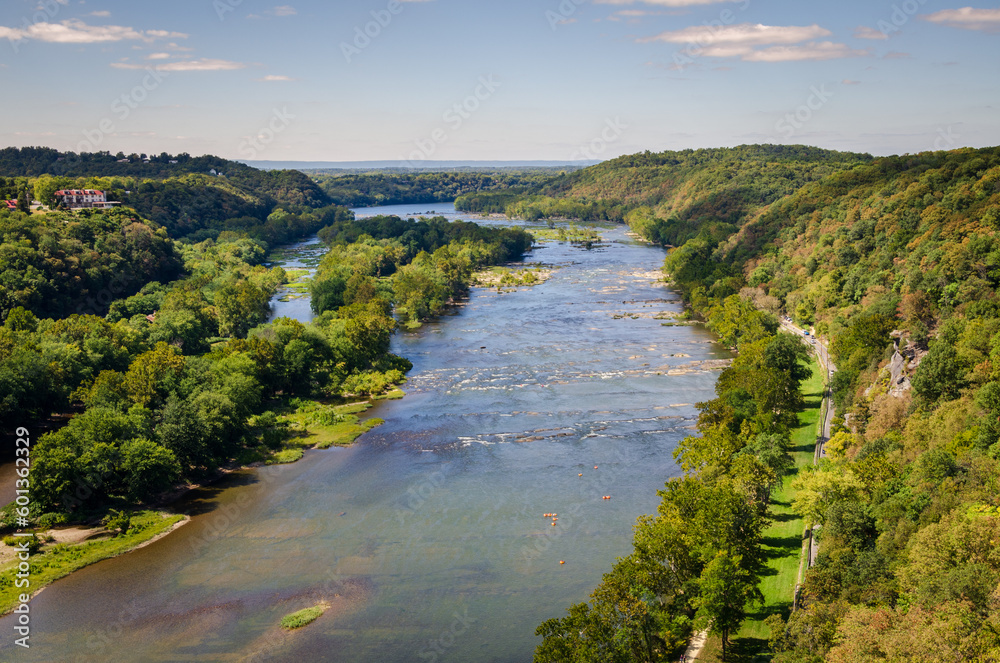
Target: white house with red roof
x=83, y=199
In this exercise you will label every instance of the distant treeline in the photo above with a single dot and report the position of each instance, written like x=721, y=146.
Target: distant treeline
x=371, y=189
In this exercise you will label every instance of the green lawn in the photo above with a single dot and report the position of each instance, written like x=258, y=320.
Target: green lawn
x=783, y=541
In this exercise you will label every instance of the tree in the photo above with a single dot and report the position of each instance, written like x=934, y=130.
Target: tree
x=23, y=201
x=241, y=307
x=817, y=489
x=727, y=589
x=148, y=468
x=21, y=319
x=152, y=375
x=940, y=373
x=118, y=520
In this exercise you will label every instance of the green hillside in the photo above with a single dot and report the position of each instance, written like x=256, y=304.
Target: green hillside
x=894, y=261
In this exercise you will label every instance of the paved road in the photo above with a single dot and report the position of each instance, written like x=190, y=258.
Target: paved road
x=819, y=347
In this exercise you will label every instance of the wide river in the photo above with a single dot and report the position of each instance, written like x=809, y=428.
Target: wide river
x=427, y=537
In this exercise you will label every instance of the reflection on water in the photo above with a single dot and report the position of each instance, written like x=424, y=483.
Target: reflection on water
x=427, y=538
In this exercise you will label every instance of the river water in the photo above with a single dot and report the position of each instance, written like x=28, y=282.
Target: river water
x=427, y=537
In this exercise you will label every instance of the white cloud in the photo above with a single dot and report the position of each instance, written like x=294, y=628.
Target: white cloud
x=285, y=10
x=166, y=35
x=758, y=43
x=824, y=50
x=274, y=78
x=204, y=64
x=102, y=13
x=984, y=20
x=158, y=56
x=75, y=31
x=744, y=35
x=864, y=32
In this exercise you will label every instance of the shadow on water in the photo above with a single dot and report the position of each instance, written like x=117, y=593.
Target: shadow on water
x=202, y=500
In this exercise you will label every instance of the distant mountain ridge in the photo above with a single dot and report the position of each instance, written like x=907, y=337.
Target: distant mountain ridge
x=430, y=166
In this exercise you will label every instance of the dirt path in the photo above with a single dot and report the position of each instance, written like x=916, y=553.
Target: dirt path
x=695, y=646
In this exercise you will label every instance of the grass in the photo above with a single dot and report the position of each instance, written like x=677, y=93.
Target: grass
x=58, y=561
x=783, y=542
x=308, y=433
x=512, y=277
x=303, y=617
x=393, y=395
x=561, y=234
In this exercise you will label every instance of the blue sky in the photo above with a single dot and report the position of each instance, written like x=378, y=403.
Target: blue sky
x=520, y=79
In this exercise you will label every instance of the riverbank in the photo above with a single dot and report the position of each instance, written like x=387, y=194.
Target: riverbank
x=311, y=425
x=62, y=557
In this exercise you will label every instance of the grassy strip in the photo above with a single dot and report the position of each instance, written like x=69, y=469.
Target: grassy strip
x=60, y=560
x=512, y=277
x=783, y=541
x=316, y=425
x=303, y=617
x=572, y=234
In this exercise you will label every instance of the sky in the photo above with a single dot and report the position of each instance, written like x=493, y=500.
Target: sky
x=560, y=80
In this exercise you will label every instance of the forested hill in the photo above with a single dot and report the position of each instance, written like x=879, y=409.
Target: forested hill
x=669, y=196
x=184, y=194
x=895, y=262
x=286, y=186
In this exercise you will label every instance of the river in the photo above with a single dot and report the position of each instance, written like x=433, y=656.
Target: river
x=427, y=537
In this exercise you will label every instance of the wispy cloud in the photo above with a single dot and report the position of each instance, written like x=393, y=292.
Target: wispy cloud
x=204, y=64
x=984, y=20
x=279, y=11
x=75, y=31
x=823, y=50
x=274, y=78
x=865, y=32
x=759, y=43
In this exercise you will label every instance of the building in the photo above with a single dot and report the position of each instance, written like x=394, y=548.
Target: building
x=83, y=199
x=11, y=204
